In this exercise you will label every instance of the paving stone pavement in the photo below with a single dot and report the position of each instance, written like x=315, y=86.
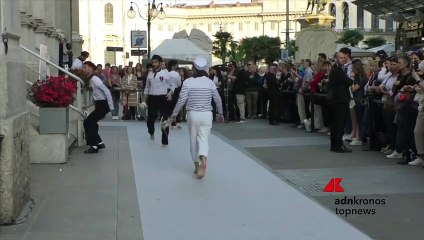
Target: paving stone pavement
x=304, y=160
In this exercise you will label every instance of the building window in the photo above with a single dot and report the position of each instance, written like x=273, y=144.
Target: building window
x=360, y=18
x=160, y=27
x=333, y=12
x=345, y=15
x=256, y=26
x=272, y=25
x=389, y=26
x=108, y=13
x=209, y=27
x=375, y=22
x=240, y=27
x=170, y=28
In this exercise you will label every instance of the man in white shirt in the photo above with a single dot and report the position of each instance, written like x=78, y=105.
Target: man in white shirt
x=198, y=92
x=156, y=95
x=103, y=104
x=176, y=78
x=79, y=61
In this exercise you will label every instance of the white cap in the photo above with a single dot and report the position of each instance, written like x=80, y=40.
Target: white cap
x=200, y=63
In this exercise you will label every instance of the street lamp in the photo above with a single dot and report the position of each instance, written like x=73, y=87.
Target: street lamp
x=152, y=13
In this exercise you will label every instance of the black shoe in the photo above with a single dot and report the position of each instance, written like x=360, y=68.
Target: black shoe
x=101, y=146
x=342, y=149
x=91, y=150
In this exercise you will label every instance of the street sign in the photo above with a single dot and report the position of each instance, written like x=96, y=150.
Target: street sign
x=284, y=54
x=114, y=49
x=139, y=39
x=138, y=52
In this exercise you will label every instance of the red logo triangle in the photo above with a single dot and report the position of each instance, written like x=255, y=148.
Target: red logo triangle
x=334, y=185
x=330, y=186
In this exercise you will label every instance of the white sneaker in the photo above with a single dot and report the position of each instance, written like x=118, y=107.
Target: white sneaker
x=115, y=118
x=356, y=142
x=308, y=126
x=345, y=137
x=416, y=162
x=395, y=155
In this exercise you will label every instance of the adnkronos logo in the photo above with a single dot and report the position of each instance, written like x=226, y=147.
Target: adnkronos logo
x=346, y=205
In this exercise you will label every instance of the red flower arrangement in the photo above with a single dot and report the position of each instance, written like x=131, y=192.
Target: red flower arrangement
x=53, y=92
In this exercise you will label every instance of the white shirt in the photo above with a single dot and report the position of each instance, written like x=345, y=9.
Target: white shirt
x=176, y=78
x=388, y=84
x=77, y=64
x=198, y=93
x=158, y=83
x=101, y=92
x=384, y=74
x=216, y=81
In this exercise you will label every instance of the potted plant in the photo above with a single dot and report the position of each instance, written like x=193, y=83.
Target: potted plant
x=53, y=96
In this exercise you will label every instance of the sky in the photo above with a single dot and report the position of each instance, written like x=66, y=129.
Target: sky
x=196, y=2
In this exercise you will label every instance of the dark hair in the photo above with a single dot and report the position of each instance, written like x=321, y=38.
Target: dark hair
x=356, y=60
x=323, y=55
x=171, y=64
x=407, y=60
x=107, y=65
x=347, y=51
x=419, y=54
x=380, y=63
x=309, y=62
x=99, y=65
x=393, y=59
x=157, y=57
x=90, y=64
x=85, y=54
x=199, y=73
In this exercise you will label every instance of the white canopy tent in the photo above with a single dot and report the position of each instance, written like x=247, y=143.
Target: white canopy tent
x=388, y=48
x=356, y=52
x=182, y=49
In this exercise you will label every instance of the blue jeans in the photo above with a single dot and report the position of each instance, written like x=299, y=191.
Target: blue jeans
x=115, y=100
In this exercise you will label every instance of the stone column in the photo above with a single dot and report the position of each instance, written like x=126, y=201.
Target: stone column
x=76, y=37
x=14, y=155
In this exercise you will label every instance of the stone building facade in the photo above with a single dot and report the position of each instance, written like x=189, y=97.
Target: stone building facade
x=105, y=23
x=26, y=23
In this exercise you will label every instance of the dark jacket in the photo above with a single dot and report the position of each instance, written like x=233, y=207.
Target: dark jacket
x=240, y=84
x=272, y=83
x=339, y=85
x=252, y=81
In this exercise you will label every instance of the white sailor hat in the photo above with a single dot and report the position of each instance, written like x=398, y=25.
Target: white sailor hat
x=200, y=63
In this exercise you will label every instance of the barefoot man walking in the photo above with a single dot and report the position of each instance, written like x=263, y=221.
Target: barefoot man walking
x=198, y=92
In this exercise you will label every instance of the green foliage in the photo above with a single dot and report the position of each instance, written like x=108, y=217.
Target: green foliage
x=351, y=37
x=373, y=42
x=236, y=53
x=221, y=46
x=263, y=47
x=292, y=47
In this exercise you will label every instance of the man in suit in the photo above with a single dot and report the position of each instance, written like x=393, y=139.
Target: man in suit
x=339, y=84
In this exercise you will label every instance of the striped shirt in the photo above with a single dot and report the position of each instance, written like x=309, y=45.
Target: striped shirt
x=158, y=83
x=198, y=93
x=101, y=92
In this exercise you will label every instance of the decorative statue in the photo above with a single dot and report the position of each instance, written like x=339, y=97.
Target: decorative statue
x=320, y=5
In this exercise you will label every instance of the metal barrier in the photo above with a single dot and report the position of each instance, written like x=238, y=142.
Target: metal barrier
x=81, y=96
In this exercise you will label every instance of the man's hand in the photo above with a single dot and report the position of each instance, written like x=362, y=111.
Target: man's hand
x=169, y=96
x=173, y=118
x=220, y=118
x=143, y=105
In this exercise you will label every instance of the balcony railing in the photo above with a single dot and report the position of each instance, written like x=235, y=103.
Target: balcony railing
x=368, y=30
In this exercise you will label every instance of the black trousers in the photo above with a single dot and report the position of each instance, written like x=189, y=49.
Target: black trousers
x=173, y=103
x=340, y=116
x=274, y=106
x=90, y=123
x=157, y=104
